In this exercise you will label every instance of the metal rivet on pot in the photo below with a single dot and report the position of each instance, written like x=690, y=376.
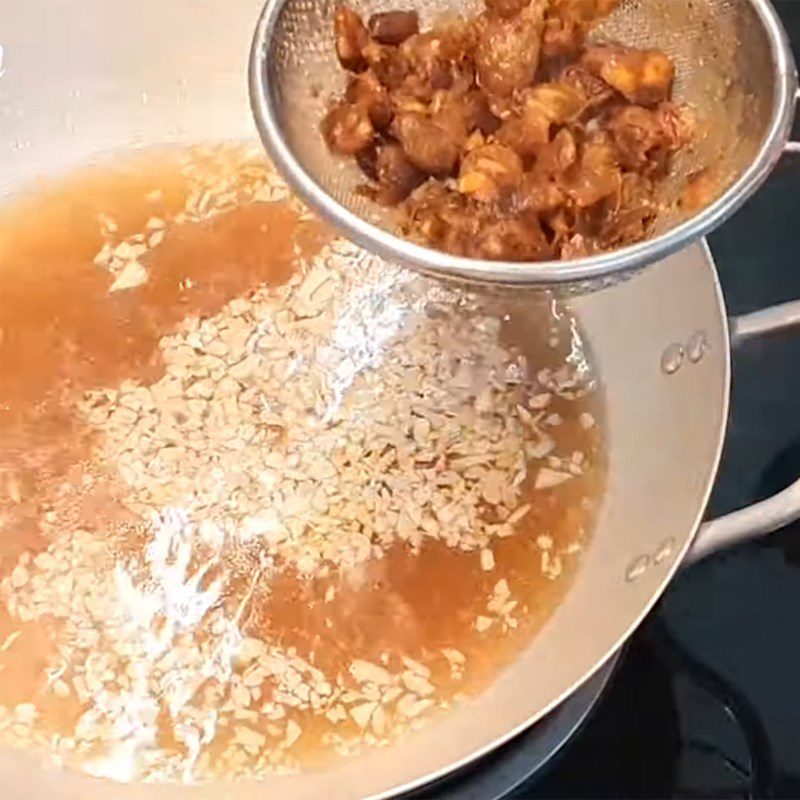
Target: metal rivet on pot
x=637, y=568
x=697, y=346
x=664, y=550
x=672, y=358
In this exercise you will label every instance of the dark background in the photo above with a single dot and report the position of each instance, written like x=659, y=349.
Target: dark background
x=741, y=610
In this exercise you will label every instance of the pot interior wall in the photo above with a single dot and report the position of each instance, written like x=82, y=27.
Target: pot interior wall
x=78, y=80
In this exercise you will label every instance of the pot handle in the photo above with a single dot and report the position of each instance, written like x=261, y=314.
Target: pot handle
x=773, y=513
x=790, y=146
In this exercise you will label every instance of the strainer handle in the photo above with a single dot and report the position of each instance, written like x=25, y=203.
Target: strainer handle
x=782, y=508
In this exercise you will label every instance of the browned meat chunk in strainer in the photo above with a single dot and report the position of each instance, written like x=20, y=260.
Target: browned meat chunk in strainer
x=568, y=22
x=367, y=91
x=504, y=135
x=596, y=91
x=490, y=172
x=351, y=38
x=432, y=143
x=396, y=176
x=508, y=48
x=393, y=27
x=505, y=8
x=641, y=76
x=347, y=128
x=646, y=138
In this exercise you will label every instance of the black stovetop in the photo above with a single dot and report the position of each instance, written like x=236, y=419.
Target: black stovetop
x=706, y=700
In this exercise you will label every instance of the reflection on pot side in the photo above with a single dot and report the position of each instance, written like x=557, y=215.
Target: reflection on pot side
x=264, y=498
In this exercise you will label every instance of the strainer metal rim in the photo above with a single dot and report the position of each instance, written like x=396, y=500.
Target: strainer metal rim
x=434, y=262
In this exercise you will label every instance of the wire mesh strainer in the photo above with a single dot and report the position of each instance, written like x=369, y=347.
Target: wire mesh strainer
x=734, y=69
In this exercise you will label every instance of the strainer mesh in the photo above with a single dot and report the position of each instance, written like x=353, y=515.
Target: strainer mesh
x=720, y=48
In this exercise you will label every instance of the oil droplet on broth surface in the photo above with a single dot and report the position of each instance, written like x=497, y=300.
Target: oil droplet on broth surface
x=241, y=531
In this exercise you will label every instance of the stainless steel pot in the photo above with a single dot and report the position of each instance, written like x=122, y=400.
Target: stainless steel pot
x=81, y=78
